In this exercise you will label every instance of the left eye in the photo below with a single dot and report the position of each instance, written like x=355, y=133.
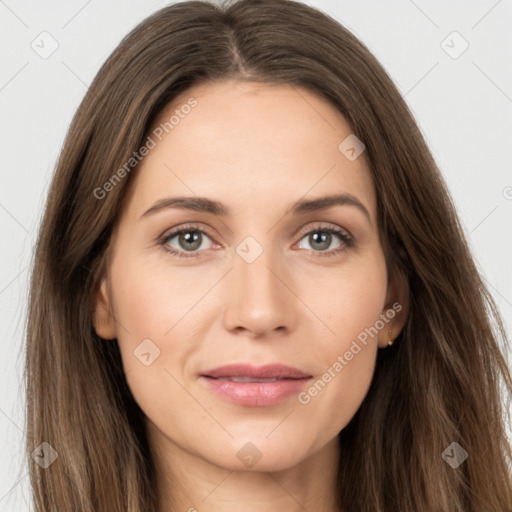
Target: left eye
x=323, y=238
x=190, y=240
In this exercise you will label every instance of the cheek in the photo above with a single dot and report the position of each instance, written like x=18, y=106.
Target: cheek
x=150, y=298
x=336, y=393
x=349, y=299
x=157, y=313
x=350, y=305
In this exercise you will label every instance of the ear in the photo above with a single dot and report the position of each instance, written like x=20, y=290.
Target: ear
x=103, y=317
x=397, y=300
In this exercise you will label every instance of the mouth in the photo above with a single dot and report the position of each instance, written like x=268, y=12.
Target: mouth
x=252, y=386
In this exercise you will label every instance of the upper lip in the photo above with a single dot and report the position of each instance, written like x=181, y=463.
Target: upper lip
x=269, y=371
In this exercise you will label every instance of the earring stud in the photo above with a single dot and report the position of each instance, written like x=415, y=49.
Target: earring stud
x=391, y=340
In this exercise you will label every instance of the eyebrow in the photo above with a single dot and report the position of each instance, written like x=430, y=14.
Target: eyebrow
x=301, y=207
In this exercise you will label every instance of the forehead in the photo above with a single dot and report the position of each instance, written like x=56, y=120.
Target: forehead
x=248, y=143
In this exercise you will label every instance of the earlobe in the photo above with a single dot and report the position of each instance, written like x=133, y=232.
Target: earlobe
x=103, y=318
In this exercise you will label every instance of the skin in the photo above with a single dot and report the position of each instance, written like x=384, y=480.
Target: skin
x=256, y=148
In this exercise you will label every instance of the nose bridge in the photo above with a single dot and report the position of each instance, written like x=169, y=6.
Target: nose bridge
x=259, y=300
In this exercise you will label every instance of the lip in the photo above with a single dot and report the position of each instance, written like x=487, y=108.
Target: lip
x=268, y=371
x=287, y=382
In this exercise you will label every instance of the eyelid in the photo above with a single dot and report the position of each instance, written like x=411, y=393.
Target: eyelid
x=169, y=233
x=322, y=225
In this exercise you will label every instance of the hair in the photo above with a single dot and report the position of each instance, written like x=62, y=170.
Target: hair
x=441, y=381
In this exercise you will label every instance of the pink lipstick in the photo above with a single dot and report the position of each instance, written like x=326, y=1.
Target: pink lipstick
x=255, y=386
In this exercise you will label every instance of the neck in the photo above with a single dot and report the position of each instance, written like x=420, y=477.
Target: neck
x=189, y=483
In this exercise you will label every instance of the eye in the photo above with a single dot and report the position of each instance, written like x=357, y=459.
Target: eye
x=190, y=239
x=321, y=237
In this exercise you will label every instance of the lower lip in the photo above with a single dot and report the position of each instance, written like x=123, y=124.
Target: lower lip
x=256, y=394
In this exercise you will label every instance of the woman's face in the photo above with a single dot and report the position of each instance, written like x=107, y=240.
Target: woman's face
x=254, y=280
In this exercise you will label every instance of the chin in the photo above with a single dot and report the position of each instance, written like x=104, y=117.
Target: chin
x=259, y=453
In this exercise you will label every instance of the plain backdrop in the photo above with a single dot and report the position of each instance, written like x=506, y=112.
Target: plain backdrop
x=450, y=60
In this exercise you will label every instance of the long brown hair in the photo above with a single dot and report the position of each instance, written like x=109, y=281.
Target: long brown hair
x=438, y=384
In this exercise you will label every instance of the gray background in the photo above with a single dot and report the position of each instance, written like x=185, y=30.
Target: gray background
x=463, y=105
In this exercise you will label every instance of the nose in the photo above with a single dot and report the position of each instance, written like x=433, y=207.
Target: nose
x=260, y=296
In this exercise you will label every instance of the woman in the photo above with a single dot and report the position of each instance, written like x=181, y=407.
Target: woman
x=325, y=343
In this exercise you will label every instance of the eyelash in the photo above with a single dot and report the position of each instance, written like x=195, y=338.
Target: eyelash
x=345, y=238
